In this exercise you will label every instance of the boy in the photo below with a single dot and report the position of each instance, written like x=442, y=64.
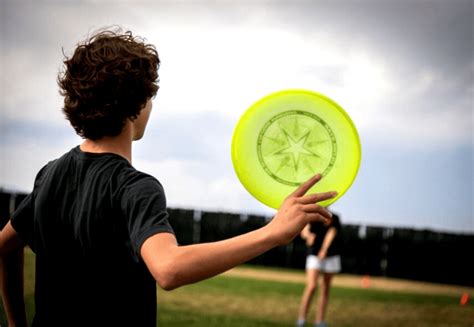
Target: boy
x=98, y=227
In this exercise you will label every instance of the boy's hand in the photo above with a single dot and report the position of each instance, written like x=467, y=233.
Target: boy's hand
x=298, y=210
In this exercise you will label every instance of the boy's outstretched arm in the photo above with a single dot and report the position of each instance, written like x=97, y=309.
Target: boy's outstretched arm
x=173, y=266
x=11, y=276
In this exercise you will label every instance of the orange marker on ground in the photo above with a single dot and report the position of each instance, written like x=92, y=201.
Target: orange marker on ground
x=365, y=282
x=464, y=299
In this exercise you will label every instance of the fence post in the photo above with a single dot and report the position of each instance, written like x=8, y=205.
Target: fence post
x=197, y=226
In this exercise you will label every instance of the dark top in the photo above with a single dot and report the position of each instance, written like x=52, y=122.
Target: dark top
x=86, y=219
x=320, y=230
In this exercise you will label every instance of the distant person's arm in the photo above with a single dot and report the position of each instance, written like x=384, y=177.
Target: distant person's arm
x=330, y=235
x=173, y=266
x=307, y=235
x=11, y=276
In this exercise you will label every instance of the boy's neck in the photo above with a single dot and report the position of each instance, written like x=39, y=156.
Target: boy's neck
x=120, y=144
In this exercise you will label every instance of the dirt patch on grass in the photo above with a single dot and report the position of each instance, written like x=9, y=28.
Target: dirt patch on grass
x=353, y=281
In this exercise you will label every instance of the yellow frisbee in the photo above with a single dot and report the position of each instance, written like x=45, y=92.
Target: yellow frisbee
x=288, y=136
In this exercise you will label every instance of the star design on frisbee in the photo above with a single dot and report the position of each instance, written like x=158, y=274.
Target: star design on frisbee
x=296, y=148
x=294, y=145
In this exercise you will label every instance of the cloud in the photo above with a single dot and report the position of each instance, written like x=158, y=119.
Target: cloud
x=20, y=161
x=223, y=68
x=403, y=71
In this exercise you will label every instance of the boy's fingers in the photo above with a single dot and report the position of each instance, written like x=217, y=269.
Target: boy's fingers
x=316, y=197
x=314, y=217
x=315, y=208
x=303, y=188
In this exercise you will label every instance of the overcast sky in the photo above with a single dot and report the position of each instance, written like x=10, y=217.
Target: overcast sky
x=403, y=70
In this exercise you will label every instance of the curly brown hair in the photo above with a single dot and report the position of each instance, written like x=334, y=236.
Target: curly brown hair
x=108, y=80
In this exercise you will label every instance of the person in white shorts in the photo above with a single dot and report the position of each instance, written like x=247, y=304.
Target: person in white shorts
x=323, y=259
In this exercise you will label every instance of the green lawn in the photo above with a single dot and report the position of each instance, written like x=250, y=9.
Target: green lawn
x=236, y=301
x=230, y=301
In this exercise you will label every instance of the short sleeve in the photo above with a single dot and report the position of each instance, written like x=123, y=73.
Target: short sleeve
x=22, y=219
x=144, y=205
x=317, y=227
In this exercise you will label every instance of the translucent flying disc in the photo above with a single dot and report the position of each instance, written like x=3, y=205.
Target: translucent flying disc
x=288, y=136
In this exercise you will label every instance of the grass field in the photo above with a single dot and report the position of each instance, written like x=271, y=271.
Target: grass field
x=250, y=296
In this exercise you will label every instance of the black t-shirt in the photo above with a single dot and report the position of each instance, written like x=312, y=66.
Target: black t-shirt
x=86, y=219
x=320, y=230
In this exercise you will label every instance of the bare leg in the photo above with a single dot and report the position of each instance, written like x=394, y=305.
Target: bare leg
x=323, y=297
x=311, y=285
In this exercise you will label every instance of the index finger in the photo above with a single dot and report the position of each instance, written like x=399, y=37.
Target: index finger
x=303, y=188
x=317, y=197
